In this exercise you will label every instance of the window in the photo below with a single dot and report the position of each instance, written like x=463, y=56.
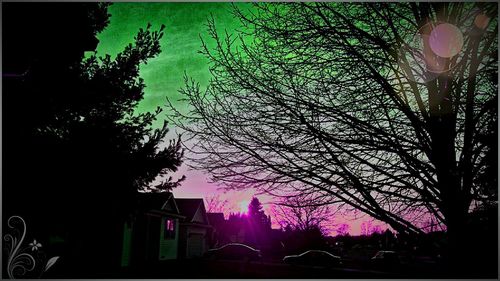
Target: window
x=169, y=232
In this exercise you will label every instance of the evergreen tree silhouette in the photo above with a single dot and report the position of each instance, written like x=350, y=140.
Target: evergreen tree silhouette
x=75, y=151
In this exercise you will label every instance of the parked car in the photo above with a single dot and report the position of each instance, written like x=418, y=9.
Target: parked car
x=313, y=258
x=386, y=258
x=234, y=251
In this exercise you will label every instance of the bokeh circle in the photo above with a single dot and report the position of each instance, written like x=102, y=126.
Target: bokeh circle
x=446, y=40
x=428, y=51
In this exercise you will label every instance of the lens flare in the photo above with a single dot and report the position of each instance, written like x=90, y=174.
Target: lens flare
x=446, y=40
x=430, y=51
x=481, y=21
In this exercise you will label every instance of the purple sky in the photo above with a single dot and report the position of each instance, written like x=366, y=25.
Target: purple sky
x=197, y=185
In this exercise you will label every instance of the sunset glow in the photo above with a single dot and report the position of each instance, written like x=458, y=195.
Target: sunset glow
x=244, y=206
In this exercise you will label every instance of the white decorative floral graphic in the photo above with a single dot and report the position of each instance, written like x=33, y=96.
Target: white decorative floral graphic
x=20, y=260
x=34, y=245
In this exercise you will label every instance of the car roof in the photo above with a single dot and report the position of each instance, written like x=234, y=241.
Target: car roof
x=234, y=244
x=316, y=251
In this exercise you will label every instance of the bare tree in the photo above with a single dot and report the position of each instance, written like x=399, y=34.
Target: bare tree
x=350, y=102
x=342, y=229
x=215, y=204
x=368, y=228
x=299, y=214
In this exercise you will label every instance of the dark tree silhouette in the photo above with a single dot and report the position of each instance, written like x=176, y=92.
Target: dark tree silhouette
x=257, y=215
x=301, y=214
x=75, y=151
x=296, y=241
x=349, y=102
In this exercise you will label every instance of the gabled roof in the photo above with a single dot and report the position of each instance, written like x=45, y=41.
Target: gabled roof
x=215, y=218
x=163, y=201
x=190, y=207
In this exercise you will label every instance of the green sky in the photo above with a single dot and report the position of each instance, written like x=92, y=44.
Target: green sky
x=185, y=23
x=164, y=75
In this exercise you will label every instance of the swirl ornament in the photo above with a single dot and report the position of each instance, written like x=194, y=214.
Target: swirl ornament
x=21, y=260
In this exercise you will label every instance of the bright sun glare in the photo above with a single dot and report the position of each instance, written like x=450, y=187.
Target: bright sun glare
x=244, y=206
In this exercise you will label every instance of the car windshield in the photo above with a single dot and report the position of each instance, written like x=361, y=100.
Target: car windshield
x=379, y=255
x=386, y=254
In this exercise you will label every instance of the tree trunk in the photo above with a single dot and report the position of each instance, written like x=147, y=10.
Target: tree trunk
x=457, y=248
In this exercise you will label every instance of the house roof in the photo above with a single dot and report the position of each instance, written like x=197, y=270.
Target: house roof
x=188, y=207
x=215, y=218
x=163, y=201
